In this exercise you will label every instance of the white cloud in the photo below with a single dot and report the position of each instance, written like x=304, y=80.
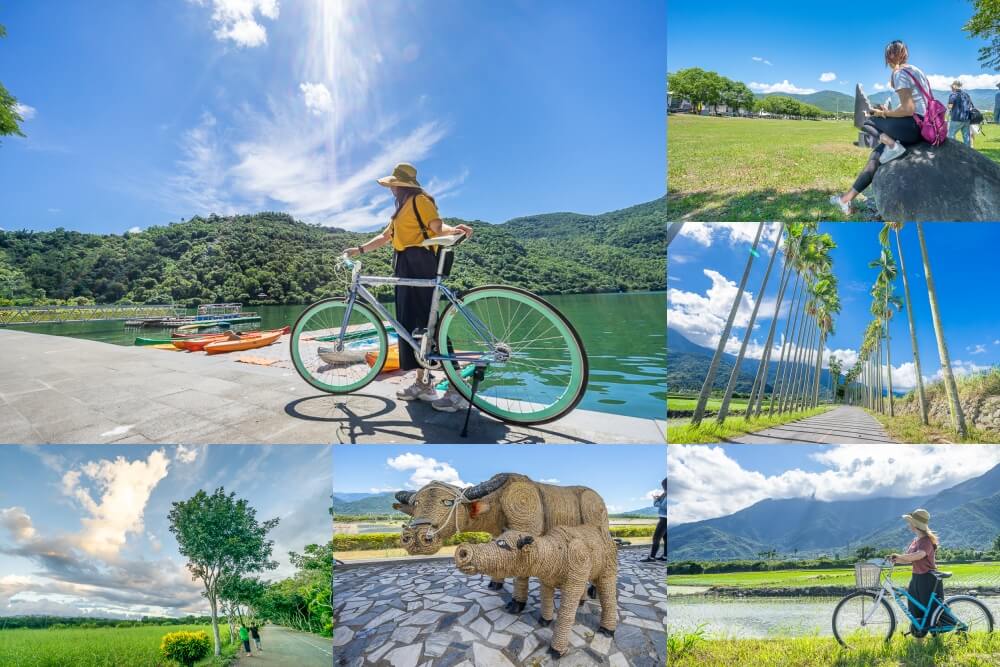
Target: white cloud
x=760, y=60
x=705, y=233
x=969, y=81
x=705, y=482
x=879, y=86
x=134, y=230
x=960, y=368
x=826, y=77
x=124, y=488
x=237, y=20
x=425, y=469
x=552, y=480
x=317, y=98
x=17, y=522
x=701, y=318
x=781, y=87
x=200, y=181
x=978, y=349
x=26, y=112
x=186, y=453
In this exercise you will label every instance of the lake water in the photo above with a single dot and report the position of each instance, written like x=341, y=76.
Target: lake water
x=759, y=618
x=624, y=334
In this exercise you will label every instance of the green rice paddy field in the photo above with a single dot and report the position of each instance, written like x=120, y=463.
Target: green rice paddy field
x=97, y=647
x=689, y=403
x=964, y=574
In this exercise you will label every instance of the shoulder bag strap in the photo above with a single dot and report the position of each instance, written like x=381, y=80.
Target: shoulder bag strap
x=420, y=221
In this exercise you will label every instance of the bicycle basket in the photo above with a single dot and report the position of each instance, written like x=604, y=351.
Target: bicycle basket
x=867, y=576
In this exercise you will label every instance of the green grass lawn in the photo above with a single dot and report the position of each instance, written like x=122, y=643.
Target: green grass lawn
x=93, y=647
x=710, y=431
x=978, y=650
x=963, y=574
x=754, y=169
x=689, y=403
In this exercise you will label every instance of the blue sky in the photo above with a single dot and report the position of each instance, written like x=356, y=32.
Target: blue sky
x=624, y=475
x=712, y=481
x=103, y=509
x=962, y=259
x=789, y=45
x=142, y=113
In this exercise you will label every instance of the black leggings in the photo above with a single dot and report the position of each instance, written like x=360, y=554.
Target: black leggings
x=921, y=586
x=659, y=533
x=413, y=304
x=904, y=130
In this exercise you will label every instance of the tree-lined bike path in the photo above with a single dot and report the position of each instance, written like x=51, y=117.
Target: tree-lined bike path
x=283, y=646
x=844, y=424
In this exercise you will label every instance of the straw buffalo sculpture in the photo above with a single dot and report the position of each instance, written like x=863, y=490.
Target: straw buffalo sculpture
x=565, y=558
x=507, y=501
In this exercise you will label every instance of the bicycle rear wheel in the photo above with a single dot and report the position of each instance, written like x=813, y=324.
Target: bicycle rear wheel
x=964, y=614
x=545, y=374
x=850, y=626
x=320, y=358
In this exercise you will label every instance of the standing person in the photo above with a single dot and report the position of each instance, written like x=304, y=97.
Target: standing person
x=414, y=220
x=660, y=532
x=920, y=554
x=255, y=633
x=245, y=638
x=996, y=107
x=959, y=104
x=891, y=129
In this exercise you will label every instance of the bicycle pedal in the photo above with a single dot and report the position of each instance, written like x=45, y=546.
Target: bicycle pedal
x=418, y=333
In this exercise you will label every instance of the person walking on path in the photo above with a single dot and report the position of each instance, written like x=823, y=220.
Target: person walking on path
x=415, y=219
x=245, y=638
x=660, y=532
x=959, y=104
x=255, y=634
x=891, y=129
x=920, y=554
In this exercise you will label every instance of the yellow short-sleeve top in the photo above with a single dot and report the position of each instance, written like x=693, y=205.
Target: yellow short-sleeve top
x=404, y=227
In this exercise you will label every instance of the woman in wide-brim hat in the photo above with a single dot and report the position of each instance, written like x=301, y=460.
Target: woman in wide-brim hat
x=920, y=554
x=414, y=219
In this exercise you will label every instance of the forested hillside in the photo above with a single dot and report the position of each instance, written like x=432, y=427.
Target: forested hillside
x=271, y=258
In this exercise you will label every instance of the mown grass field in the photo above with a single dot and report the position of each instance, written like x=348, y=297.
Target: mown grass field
x=949, y=651
x=964, y=574
x=711, y=431
x=689, y=403
x=98, y=647
x=755, y=169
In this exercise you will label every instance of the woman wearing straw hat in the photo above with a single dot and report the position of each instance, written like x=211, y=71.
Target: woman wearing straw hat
x=920, y=554
x=415, y=219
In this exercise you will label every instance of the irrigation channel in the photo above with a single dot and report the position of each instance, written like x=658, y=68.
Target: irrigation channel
x=760, y=617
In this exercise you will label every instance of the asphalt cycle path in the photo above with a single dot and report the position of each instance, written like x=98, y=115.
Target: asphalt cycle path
x=845, y=424
x=283, y=646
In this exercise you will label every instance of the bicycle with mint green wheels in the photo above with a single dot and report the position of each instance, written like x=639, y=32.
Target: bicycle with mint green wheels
x=505, y=350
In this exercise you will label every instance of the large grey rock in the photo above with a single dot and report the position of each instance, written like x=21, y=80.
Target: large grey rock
x=949, y=183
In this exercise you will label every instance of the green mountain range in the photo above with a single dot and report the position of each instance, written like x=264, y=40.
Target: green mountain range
x=381, y=503
x=831, y=100
x=272, y=258
x=966, y=515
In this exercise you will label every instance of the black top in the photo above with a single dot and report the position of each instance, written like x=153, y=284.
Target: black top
x=253, y=632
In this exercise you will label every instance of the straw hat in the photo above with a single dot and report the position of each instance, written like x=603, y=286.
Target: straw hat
x=404, y=175
x=919, y=519
x=956, y=84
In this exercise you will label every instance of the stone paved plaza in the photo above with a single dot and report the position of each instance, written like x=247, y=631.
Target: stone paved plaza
x=425, y=613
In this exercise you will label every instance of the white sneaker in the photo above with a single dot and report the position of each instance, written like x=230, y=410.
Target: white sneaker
x=892, y=152
x=844, y=208
x=422, y=391
x=452, y=401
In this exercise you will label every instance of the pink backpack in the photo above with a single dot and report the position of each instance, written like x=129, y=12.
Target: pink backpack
x=934, y=125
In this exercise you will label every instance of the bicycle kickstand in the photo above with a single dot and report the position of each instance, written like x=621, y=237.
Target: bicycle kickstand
x=477, y=377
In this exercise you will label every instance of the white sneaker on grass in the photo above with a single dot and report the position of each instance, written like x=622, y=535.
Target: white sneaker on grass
x=845, y=208
x=418, y=391
x=452, y=401
x=891, y=152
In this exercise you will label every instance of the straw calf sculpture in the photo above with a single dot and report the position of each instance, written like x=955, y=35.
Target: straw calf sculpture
x=565, y=558
x=507, y=501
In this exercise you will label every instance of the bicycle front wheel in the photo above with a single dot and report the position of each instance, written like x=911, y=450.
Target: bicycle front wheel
x=859, y=620
x=963, y=614
x=332, y=365
x=544, y=373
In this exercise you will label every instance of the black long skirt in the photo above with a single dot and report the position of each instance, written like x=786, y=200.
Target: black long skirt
x=413, y=304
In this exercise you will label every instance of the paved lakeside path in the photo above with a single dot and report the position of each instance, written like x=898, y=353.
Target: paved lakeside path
x=408, y=613
x=57, y=389
x=284, y=646
x=845, y=424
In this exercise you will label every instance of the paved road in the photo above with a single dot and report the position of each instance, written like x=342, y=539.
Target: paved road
x=283, y=646
x=845, y=424
x=61, y=390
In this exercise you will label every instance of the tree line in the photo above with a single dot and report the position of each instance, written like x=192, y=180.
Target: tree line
x=704, y=88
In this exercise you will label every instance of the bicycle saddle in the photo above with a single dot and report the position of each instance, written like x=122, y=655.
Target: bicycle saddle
x=445, y=241
x=940, y=575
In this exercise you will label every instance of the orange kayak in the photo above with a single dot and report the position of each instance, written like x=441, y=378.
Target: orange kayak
x=391, y=359
x=245, y=343
x=199, y=343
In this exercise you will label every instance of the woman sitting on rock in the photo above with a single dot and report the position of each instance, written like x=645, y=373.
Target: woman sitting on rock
x=891, y=129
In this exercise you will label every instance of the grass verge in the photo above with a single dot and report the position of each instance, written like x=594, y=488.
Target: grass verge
x=711, y=431
x=908, y=429
x=948, y=651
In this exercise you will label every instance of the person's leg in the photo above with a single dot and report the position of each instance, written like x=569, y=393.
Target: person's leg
x=658, y=532
x=413, y=305
x=967, y=133
x=920, y=588
x=953, y=127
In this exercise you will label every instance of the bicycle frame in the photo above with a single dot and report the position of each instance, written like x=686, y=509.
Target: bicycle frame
x=422, y=349
x=898, y=593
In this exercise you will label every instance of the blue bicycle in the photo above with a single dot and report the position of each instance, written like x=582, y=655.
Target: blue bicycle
x=866, y=614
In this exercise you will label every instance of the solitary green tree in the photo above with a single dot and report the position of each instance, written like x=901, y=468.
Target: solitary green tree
x=10, y=117
x=221, y=537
